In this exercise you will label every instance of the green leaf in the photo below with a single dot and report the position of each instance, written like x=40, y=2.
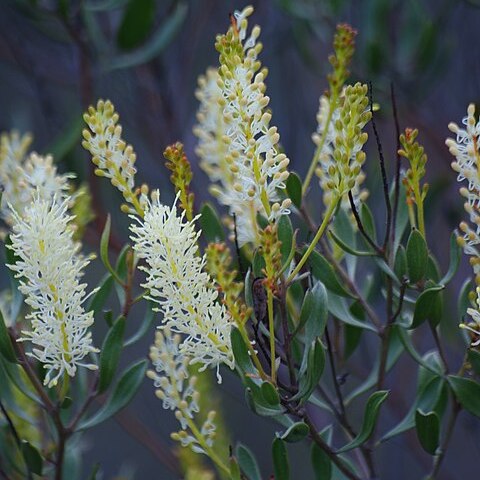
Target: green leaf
x=339, y=309
x=156, y=44
x=104, y=240
x=211, y=226
x=285, y=235
x=280, y=460
x=32, y=457
x=295, y=433
x=310, y=371
x=258, y=264
x=428, y=430
x=323, y=271
x=429, y=395
x=101, y=295
x=240, y=352
x=455, y=257
x=257, y=402
x=235, y=473
x=400, y=265
x=433, y=269
x=463, y=301
x=144, y=327
x=125, y=390
x=417, y=256
x=368, y=221
x=6, y=347
x=372, y=410
x=322, y=465
x=136, y=24
x=294, y=189
x=429, y=306
x=347, y=248
x=473, y=357
x=467, y=392
x=110, y=354
x=270, y=394
x=247, y=462
x=314, y=312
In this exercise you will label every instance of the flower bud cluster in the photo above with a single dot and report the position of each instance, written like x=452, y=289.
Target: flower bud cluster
x=178, y=164
x=219, y=265
x=178, y=392
x=466, y=150
x=342, y=157
x=23, y=177
x=50, y=268
x=177, y=283
x=473, y=327
x=113, y=157
x=245, y=161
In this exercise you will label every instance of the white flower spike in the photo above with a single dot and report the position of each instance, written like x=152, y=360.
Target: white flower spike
x=50, y=269
x=177, y=282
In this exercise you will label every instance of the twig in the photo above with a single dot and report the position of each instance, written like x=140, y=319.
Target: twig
x=398, y=161
x=361, y=228
x=286, y=335
x=383, y=171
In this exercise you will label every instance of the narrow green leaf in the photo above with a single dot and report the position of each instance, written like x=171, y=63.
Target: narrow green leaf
x=158, y=41
x=258, y=264
x=98, y=300
x=417, y=256
x=455, y=257
x=211, y=225
x=368, y=221
x=247, y=462
x=322, y=465
x=467, y=392
x=428, y=430
x=295, y=433
x=429, y=306
x=281, y=466
x=347, y=248
x=104, y=240
x=400, y=265
x=136, y=24
x=125, y=390
x=110, y=354
x=372, y=410
x=433, y=270
x=294, y=189
x=285, y=235
x=314, y=312
x=463, y=301
x=144, y=327
x=6, y=347
x=32, y=457
x=339, y=309
x=310, y=371
x=270, y=393
x=235, y=473
x=323, y=271
x=240, y=352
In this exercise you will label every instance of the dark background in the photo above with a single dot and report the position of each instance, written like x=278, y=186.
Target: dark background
x=57, y=57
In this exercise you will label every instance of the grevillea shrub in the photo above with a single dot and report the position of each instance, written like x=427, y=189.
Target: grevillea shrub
x=279, y=296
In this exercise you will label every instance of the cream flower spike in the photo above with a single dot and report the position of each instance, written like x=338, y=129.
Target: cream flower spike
x=466, y=150
x=241, y=144
x=22, y=178
x=177, y=283
x=50, y=269
x=178, y=392
x=326, y=155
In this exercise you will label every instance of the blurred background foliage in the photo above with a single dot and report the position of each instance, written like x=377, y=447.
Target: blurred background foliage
x=59, y=56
